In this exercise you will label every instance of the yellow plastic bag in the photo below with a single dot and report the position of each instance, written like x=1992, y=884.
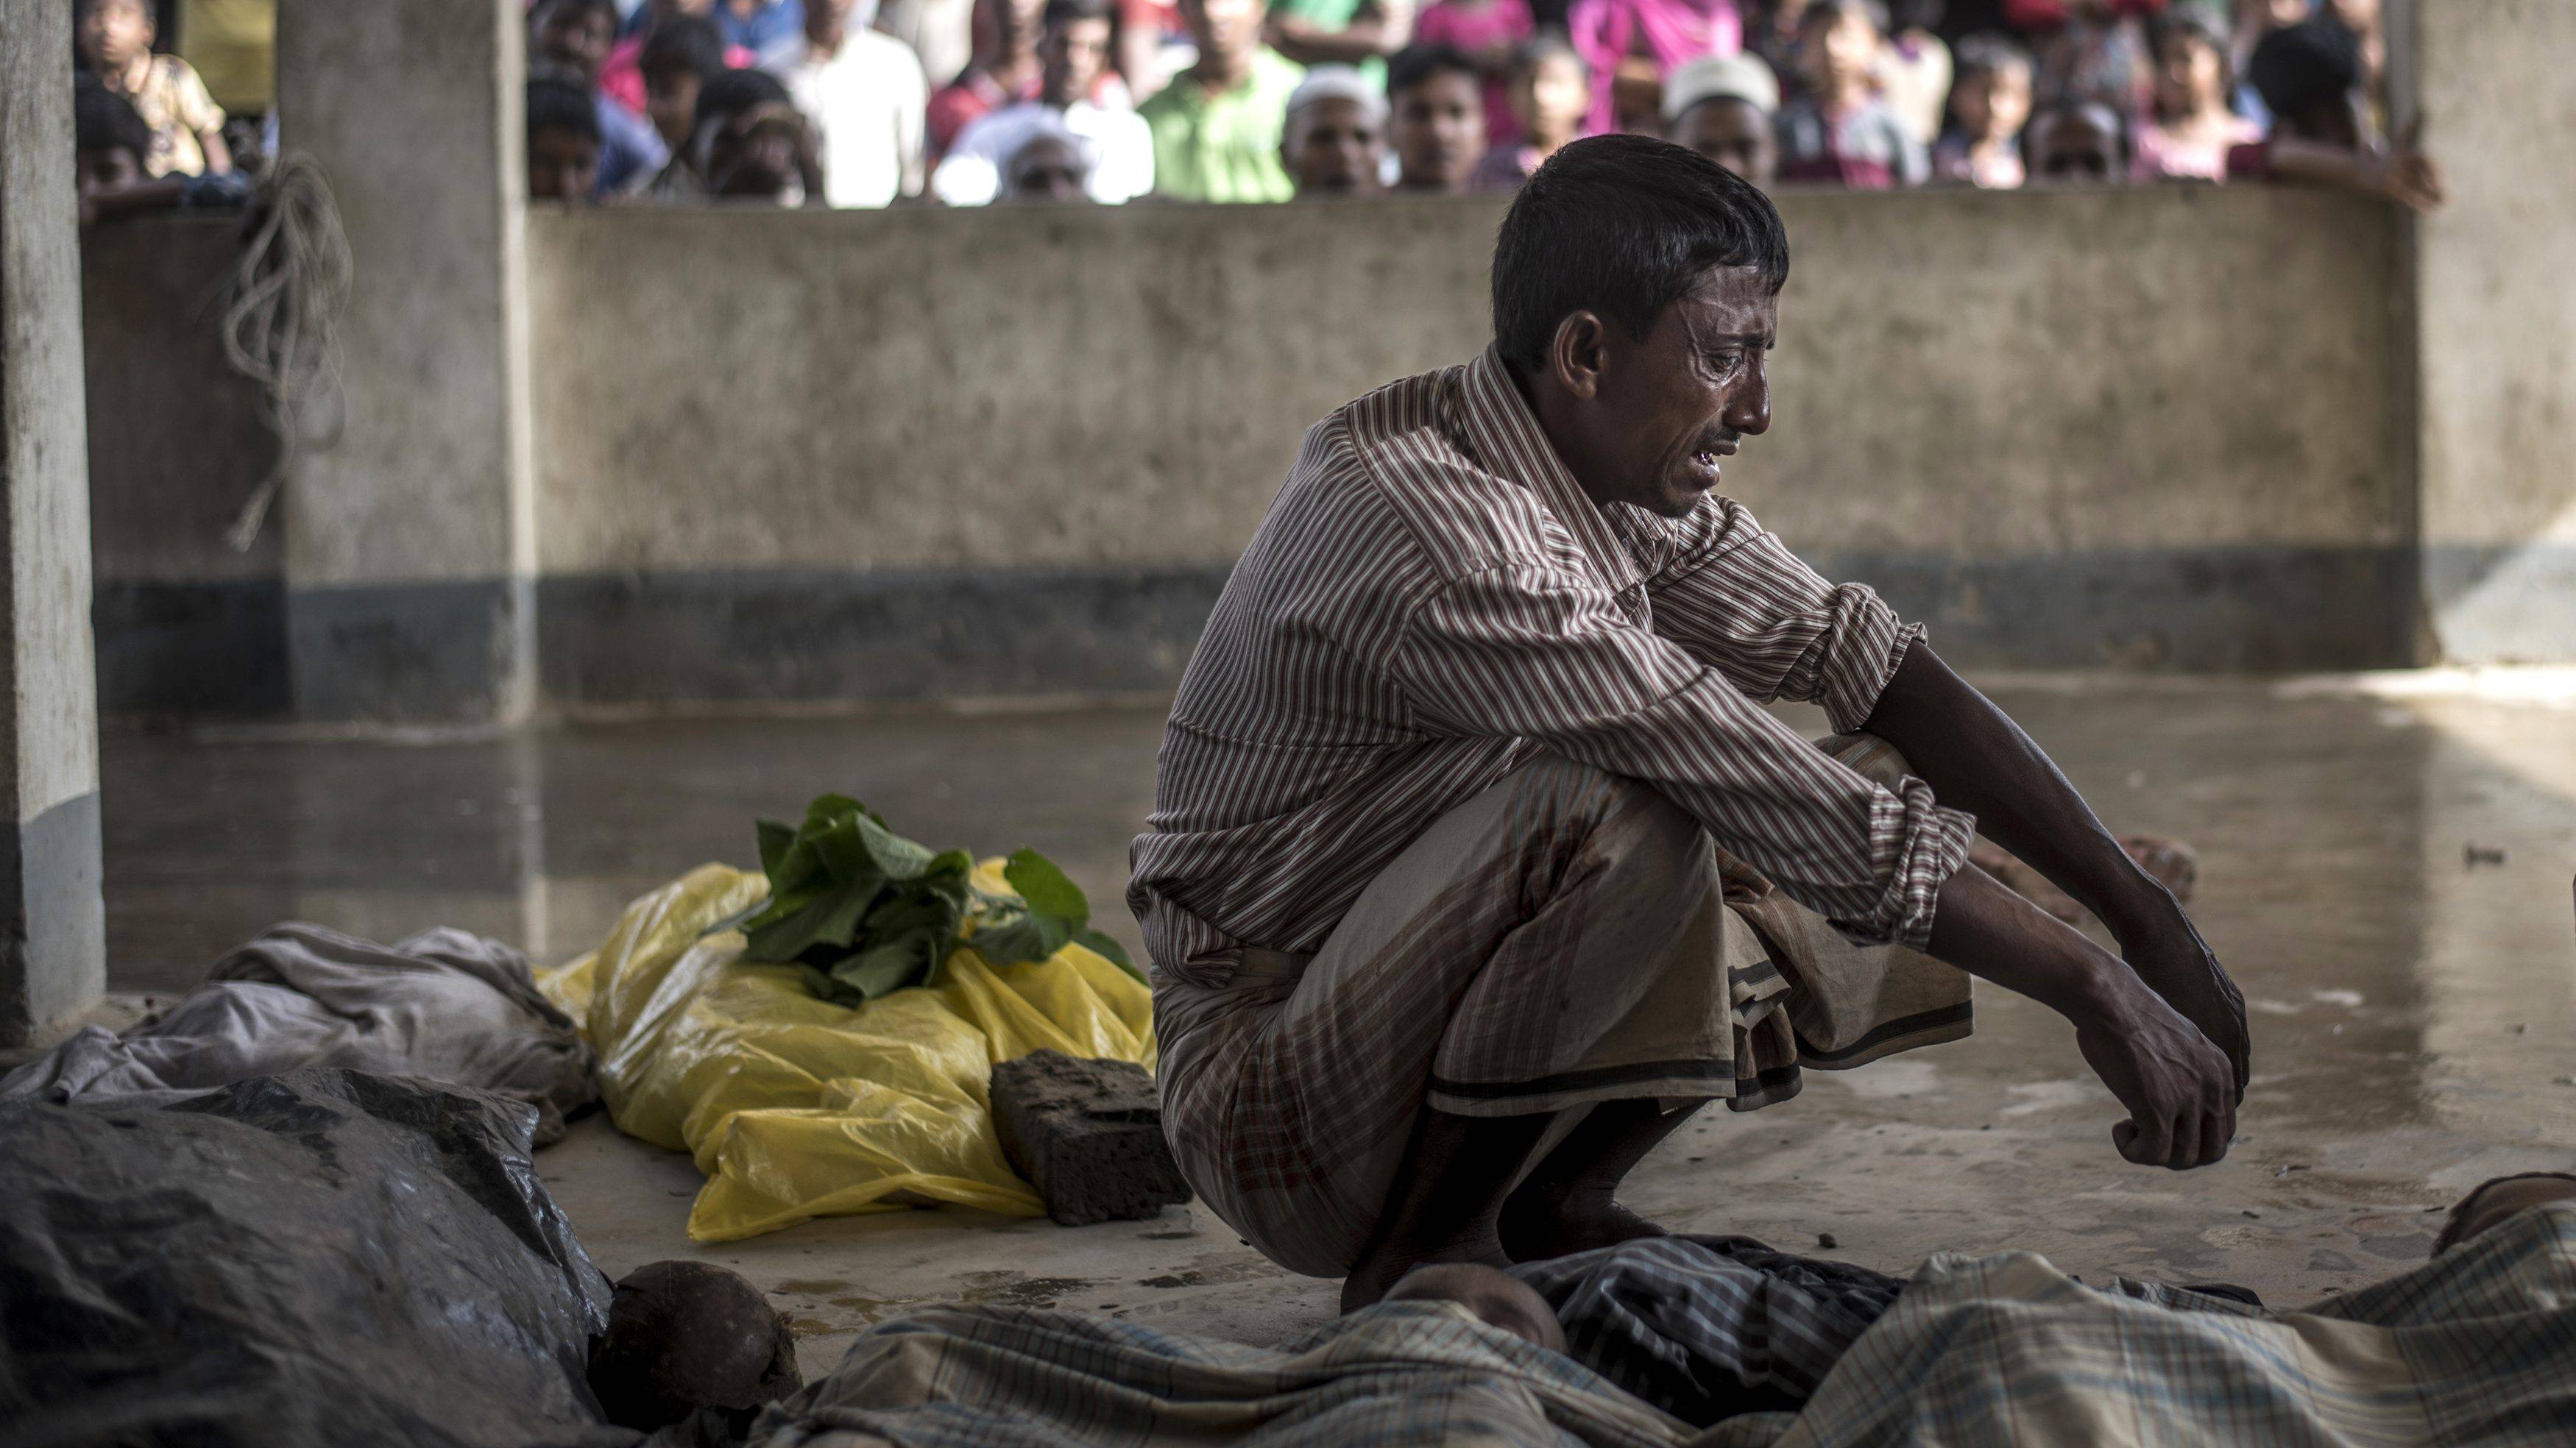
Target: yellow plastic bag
x=797, y=1108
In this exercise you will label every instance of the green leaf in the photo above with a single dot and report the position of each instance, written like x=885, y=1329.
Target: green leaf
x=775, y=839
x=880, y=972
x=1046, y=890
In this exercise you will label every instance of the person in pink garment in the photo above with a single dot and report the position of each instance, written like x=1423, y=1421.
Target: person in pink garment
x=2194, y=126
x=622, y=77
x=1632, y=45
x=1490, y=33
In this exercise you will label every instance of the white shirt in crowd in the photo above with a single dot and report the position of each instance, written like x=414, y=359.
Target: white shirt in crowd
x=866, y=104
x=1122, y=152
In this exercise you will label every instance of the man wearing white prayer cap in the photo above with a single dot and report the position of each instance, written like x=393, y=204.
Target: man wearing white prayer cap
x=1722, y=107
x=1333, y=137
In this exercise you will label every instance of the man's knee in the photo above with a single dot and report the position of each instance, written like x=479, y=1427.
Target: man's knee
x=1626, y=824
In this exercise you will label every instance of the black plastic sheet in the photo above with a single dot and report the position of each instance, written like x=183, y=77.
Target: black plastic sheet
x=321, y=1257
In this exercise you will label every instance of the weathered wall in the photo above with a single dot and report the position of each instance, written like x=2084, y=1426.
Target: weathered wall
x=186, y=623
x=893, y=455
x=2495, y=319
x=406, y=542
x=53, y=953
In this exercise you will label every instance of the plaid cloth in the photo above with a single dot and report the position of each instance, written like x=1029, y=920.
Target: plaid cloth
x=1709, y=1327
x=1395, y=1375
x=2475, y=1349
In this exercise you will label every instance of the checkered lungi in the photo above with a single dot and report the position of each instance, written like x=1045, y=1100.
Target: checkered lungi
x=1566, y=937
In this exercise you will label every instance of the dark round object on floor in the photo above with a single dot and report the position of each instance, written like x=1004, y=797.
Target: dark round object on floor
x=688, y=1335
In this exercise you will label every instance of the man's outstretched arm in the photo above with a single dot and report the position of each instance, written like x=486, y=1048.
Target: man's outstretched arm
x=1977, y=759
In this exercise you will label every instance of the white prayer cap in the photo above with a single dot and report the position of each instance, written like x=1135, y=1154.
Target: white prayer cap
x=1742, y=76
x=1048, y=125
x=1336, y=83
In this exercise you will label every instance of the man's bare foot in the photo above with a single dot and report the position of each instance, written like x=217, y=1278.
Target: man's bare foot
x=1384, y=1266
x=1536, y=1228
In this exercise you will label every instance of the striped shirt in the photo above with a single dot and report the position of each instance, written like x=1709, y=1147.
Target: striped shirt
x=1433, y=600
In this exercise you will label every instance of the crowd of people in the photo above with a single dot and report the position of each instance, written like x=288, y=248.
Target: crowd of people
x=967, y=102
x=857, y=103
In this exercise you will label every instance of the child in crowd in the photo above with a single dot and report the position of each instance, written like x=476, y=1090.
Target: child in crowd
x=1075, y=42
x=569, y=40
x=676, y=64
x=622, y=75
x=115, y=42
x=1436, y=118
x=1914, y=67
x=110, y=145
x=1988, y=104
x=1839, y=132
x=752, y=145
x=1551, y=94
x=1491, y=33
x=1217, y=125
x=1726, y=107
x=1333, y=137
x=2315, y=81
x=2083, y=141
x=2194, y=127
x=2099, y=54
x=1632, y=45
x=563, y=142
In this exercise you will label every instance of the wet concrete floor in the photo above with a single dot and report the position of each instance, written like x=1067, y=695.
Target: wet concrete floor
x=2387, y=876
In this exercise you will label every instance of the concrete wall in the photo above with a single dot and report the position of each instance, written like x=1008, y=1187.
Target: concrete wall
x=52, y=931
x=187, y=624
x=406, y=543
x=1006, y=451
x=2495, y=315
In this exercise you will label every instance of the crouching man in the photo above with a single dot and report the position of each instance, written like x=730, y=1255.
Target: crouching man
x=1477, y=865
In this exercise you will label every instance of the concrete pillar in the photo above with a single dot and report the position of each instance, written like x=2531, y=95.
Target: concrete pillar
x=53, y=953
x=2494, y=319
x=409, y=547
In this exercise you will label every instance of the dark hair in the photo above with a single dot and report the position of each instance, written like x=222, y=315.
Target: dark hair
x=1065, y=12
x=102, y=120
x=1985, y=53
x=2199, y=31
x=548, y=9
x=1623, y=225
x=1544, y=47
x=2102, y=111
x=736, y=91
x=691, y=44
x=1826, y=12
x=151, y=12
x=1413, y=65
x=559, y=105
x=2301, y=67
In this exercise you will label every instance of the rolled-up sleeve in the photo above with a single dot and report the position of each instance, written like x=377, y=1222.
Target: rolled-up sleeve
x=1742, y=603
x=1525, y=650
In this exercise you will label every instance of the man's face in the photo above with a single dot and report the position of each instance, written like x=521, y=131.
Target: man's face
x=1668, y=410
x=1333, y=148
x=2076, y=144
x=671, y=99
x=114, y=32
x=1070, y=59
x=576, y=40
x=1224, y=28
x=1439, y=131
x=1046, y=169
x=1734, y=133
x=827, y=22
x=562, y=166
x=109, y=168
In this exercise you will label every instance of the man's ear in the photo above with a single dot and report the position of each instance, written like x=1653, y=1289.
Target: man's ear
x=1575, y=353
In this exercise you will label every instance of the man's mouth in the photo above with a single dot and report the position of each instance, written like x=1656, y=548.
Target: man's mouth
x=1708, y=456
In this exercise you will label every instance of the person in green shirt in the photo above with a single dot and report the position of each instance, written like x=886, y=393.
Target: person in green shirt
x=1216, y=126
x=1362, y=33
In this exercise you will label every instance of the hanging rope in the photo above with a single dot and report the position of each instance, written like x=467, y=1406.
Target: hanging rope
x=281, y=329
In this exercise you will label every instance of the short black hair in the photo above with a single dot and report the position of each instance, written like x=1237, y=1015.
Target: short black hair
x=2301, y=67
x=1623, y=225
x=102, y=120
x=736, y=91
x=690, y=44
x=546, y=9
x=559, y=105
x=1066, y=12
x=1825, y=12
x=2185, y=25
x=1545, y=46
x=1413, y=65
x=2109, y=116
x=1986, y=53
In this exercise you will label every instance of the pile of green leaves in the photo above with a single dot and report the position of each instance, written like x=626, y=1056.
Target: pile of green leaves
x=866, y=911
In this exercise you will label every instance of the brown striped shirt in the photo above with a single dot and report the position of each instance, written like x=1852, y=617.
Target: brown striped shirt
x=1431, y=600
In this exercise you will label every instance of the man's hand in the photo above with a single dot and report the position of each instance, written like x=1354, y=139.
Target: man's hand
x=2176, y=964
x=2175, y=1084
